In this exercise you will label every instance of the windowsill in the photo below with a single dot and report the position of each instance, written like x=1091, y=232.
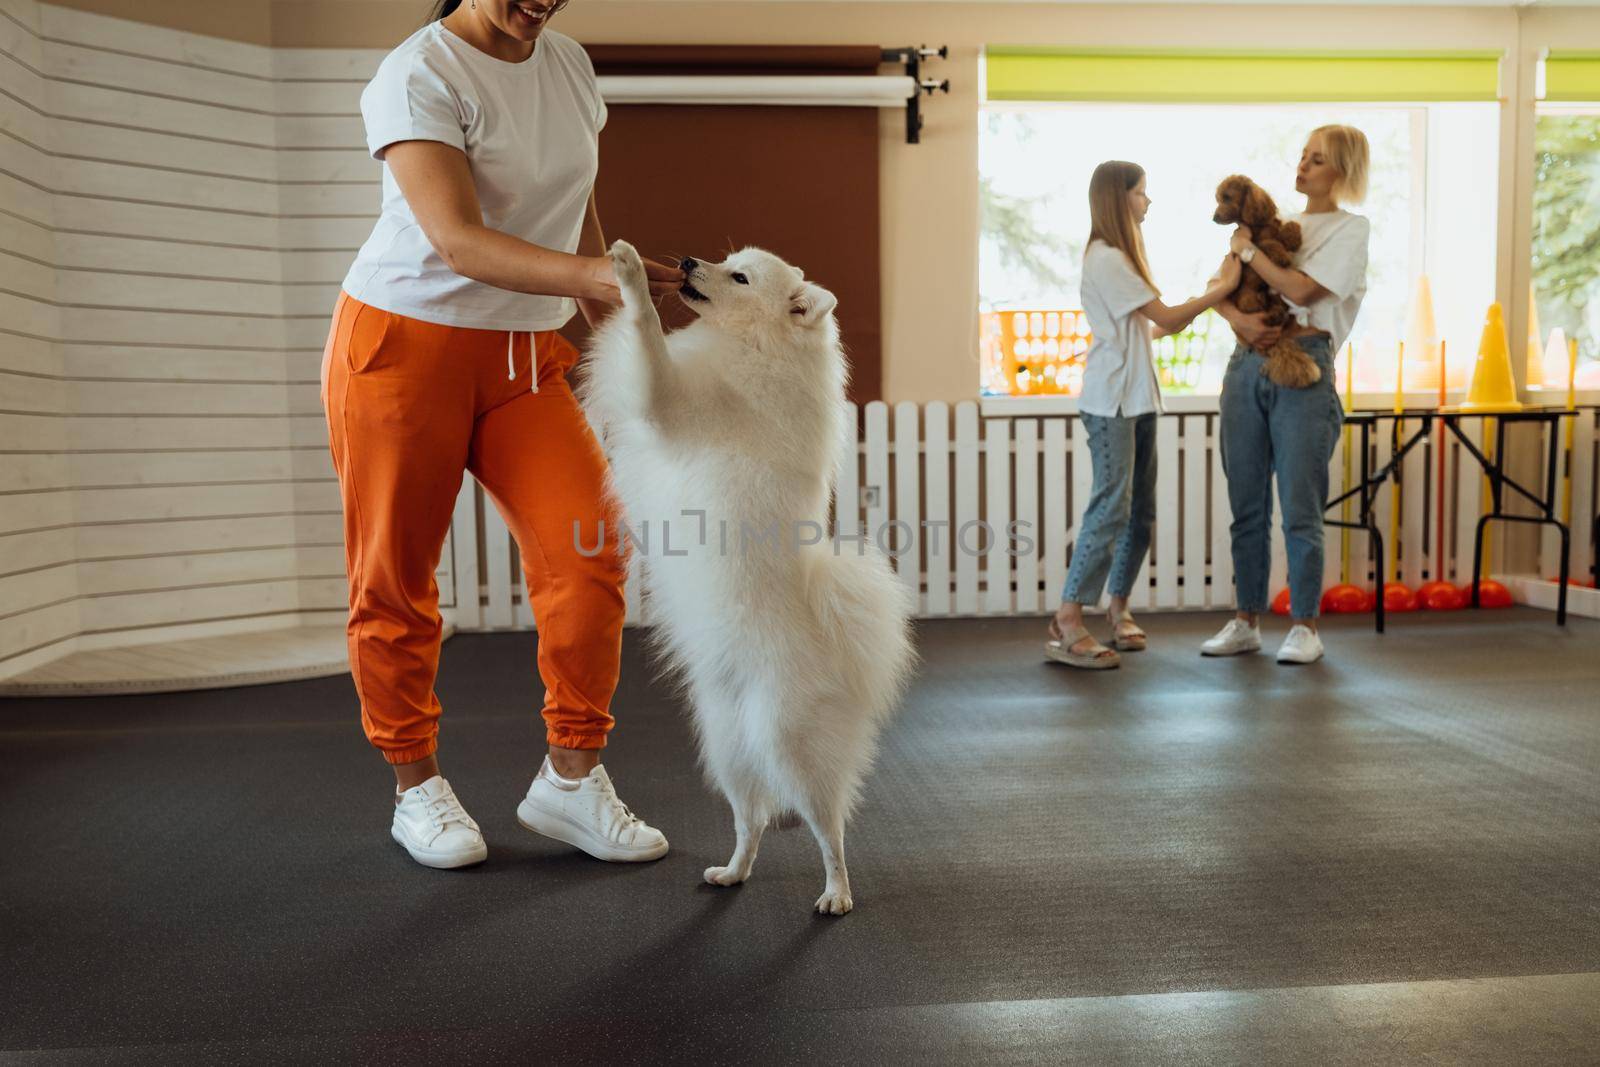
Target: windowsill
x=1035, y=406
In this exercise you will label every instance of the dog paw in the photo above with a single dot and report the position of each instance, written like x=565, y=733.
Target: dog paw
x=725, y=876
x=832, y=903
x=629, y=268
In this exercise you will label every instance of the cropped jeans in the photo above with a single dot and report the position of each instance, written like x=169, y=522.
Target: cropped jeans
x=1268, y=430
x=1115, y=533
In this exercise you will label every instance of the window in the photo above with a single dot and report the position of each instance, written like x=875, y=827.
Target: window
x=1432, y=202
x=1566, y=245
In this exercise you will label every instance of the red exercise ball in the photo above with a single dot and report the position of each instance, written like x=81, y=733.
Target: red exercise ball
x=1491, y=594
x=1440, y=596
x=1397, y=596
x=1346, y=599
x=1280, y=603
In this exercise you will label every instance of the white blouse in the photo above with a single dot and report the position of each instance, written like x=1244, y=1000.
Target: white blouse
x=1334, y=255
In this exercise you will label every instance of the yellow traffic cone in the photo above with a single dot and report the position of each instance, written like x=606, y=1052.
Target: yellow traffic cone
x=1492, y=386
x=1555, y=360
x=1535, y=349
x=1421, y=369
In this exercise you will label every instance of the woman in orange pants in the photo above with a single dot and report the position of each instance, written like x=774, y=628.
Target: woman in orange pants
x=443, y=358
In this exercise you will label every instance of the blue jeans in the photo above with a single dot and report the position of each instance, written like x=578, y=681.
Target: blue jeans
x=1122, y=507
x=1267, y=429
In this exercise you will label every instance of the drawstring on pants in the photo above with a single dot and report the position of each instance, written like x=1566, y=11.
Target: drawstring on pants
x=511, y=360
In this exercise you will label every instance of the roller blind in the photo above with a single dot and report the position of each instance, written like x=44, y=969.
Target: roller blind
x=1173, y=76
x=1572, y=76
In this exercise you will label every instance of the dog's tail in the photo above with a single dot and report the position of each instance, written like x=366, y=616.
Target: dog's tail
x=866, y=610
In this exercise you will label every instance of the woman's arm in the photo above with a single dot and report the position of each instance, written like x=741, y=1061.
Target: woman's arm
x=1252, y=329
x=592, y=242
x=1173, y=318
x=1296, y=286
x=437, y=184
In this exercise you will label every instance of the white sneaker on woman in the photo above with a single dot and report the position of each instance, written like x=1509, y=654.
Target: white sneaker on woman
x=589, y=815
x=433, y=826
x=1301, y=646
x=1234, y=639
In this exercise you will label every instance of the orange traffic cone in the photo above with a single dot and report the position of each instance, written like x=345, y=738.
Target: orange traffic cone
x=1492, y=387
x=1422, y=368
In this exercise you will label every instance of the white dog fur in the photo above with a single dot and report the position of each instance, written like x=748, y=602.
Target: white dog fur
x=792, y=655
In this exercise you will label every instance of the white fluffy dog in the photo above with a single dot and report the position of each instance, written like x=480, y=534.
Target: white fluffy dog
x=723, y=441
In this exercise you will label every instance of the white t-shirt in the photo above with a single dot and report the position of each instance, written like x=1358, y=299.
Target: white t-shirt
x=531, y=134
x=1119, y=374
x=1333, y=253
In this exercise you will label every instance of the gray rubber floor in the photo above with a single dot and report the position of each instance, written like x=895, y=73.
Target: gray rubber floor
x=1391, y=855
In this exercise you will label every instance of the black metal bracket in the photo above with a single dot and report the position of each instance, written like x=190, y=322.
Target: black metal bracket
x=912, y=59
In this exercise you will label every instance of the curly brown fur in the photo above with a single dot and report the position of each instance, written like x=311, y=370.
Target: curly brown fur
x=1242, y=202
x=1288, y=365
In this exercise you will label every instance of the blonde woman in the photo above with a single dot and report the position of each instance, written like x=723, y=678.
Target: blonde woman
x=1118, y=408
x=1268, y=429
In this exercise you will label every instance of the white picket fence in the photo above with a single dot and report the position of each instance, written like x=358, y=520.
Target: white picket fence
x=935, y=473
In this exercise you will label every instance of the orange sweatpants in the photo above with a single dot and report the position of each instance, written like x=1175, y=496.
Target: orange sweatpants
x=411, y=405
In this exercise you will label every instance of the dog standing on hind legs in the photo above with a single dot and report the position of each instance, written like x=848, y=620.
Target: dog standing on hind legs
x=724, y=440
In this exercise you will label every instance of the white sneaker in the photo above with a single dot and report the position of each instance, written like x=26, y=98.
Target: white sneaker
x=1301, y=646
x=589, y=816
x=1235, y=638
x=433, y=826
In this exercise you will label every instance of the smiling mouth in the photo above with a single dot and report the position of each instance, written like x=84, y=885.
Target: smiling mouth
x=689, y=292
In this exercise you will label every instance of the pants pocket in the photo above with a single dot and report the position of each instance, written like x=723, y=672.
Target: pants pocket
x=371, y=343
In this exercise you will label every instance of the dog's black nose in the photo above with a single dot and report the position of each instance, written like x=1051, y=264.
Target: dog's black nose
x=686, y=264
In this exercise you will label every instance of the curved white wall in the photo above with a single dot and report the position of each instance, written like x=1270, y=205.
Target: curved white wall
x=175, y=215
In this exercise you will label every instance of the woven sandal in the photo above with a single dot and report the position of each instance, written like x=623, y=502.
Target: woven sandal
x=1097, y=658
x=1131, y=640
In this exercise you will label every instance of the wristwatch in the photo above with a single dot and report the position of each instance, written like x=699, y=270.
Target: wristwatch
x=1247, y=253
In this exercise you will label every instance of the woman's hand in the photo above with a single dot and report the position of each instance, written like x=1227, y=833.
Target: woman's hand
x=1254, y=331
x=1241, y=239
x=600, y=280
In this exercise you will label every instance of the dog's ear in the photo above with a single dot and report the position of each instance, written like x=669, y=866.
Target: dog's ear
x=1258, y=206
x=810, y=304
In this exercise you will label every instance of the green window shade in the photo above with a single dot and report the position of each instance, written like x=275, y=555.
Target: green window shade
x=1572, y=76
x=1036, y=73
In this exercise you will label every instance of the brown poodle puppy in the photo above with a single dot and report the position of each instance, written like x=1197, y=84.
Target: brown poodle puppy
x=1241, y=201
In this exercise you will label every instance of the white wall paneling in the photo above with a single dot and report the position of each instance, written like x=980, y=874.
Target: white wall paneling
x=178, y=211
x=1036, y=471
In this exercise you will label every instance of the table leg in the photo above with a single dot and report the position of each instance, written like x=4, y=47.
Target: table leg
x=1369, y=496
x=1377, y=562
x=1477, y=557
x=1561, y=596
